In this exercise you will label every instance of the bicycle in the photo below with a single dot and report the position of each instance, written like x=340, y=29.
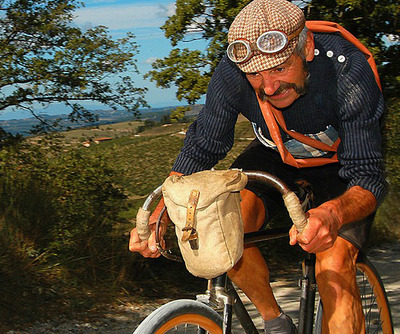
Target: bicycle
x=212, y=311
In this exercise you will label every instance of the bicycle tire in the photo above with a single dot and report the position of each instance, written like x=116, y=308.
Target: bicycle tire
x=182, y=316
x=378, y=317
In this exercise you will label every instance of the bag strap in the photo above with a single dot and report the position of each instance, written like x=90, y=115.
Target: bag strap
x=274, y=117
x=332, y=27
x=189, y=232
x=271, y=115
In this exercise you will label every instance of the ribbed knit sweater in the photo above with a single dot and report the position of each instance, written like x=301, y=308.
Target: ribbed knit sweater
x=342, y=93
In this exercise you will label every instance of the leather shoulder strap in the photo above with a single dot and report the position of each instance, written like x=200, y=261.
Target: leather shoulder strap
x=332, y=27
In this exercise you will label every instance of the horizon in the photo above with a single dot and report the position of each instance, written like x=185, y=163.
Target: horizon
x=141, y=17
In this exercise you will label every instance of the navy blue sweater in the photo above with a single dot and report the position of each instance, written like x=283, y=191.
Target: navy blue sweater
x=342, y=93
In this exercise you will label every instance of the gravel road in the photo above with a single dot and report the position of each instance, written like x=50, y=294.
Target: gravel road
x=124, y=319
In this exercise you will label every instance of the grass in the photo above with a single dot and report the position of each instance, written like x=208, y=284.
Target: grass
x=142, y=162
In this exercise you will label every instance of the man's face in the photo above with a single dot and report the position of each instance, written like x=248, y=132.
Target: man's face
x=283, y=84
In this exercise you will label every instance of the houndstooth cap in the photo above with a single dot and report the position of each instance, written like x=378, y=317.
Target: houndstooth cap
x=260, y=16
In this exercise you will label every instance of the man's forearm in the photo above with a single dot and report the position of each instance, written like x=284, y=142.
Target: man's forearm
x=356, y=203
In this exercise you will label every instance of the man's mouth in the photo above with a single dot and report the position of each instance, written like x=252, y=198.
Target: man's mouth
x=281, y=92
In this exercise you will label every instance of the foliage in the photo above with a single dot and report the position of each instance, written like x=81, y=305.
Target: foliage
x=45, y=59
x=178, y=114
x=143, y=162
x=392, y=142
x=190, y=70
x=61, y=204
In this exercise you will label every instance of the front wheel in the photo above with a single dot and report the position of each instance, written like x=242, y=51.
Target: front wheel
x=375, y=304
x=182, y=316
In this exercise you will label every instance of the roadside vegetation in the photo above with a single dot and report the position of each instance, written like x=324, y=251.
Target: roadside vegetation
x=66, y=209
x=66, y=213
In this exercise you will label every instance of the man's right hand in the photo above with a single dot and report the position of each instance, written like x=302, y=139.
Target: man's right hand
x=146, y=248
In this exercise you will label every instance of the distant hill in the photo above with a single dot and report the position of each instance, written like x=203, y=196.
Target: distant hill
x=23, y=126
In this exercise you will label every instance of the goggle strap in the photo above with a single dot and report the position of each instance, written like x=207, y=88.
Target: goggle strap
x=296, y=33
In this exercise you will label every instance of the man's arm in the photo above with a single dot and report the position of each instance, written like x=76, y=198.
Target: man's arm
x=325, y=221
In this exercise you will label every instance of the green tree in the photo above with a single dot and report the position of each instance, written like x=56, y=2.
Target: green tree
x=190, y=70
x=178, y=114
x=44, y=59
x=375, y=24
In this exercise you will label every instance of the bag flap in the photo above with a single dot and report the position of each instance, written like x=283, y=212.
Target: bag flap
x=210, y=184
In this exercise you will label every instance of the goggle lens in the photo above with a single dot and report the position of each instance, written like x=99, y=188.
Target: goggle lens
x=239, y=51
x=272, y=41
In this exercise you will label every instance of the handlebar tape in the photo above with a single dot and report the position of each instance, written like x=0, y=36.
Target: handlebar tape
x=295, y=210
x=142, y=224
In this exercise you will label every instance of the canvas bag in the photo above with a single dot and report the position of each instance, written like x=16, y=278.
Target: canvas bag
x=209, y=203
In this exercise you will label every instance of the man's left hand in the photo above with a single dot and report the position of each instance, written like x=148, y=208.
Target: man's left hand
x=320, y=232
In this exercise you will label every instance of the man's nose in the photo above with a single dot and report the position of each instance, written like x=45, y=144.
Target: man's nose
x=270, y=84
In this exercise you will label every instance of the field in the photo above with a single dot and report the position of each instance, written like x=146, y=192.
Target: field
x=144, y=159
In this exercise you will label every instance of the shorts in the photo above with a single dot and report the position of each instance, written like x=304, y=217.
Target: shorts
x=325, y=182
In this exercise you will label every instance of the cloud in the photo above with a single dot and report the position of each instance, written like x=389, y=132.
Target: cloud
x=125, y=17
x=150, y=60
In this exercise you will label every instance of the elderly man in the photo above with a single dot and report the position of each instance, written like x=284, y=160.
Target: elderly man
x=290, y=82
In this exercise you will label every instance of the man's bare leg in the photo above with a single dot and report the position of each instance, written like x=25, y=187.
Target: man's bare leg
x=251, y=273
x=336, y=279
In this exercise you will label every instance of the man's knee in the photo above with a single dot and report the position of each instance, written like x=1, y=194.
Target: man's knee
x=336, y=267
x=253, y=211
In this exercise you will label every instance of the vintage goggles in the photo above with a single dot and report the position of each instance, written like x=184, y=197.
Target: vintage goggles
x=270, y=42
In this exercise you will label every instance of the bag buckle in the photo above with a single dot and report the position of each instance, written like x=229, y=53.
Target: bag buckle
x=189, y=232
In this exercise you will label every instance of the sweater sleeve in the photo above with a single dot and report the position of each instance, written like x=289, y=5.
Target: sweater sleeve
x=211, y=135
x=361, y=106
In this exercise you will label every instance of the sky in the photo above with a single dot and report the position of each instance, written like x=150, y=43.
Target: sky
x=144, y=18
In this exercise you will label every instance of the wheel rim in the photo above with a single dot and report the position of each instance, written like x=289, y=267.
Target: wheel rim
x=373, y=320
x=190, y=319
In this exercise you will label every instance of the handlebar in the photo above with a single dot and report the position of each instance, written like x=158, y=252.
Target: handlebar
x=292, y=202
x=290, y=199
x=143, y=215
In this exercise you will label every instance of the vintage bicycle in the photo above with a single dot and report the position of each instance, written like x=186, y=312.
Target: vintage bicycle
x=212, y=311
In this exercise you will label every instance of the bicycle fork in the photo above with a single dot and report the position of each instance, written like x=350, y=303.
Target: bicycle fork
x=221, y=295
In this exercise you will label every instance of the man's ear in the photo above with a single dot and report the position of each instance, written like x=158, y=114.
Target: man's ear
x=310, y=46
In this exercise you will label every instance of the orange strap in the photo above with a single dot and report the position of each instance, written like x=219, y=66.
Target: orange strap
x=274, y=117
x=270, y=116
x=332, y=27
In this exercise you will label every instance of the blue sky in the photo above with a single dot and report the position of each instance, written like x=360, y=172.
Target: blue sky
x=143, y=18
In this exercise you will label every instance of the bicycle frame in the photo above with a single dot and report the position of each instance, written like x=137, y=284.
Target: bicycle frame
x=221, y=294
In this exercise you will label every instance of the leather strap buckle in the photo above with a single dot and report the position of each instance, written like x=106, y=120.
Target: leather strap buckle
x=189, y=232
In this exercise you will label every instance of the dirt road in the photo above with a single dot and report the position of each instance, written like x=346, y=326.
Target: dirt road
x=124, y=318
x=386, y=259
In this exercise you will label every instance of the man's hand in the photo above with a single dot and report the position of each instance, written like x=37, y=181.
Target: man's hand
x=325, y=221
x=148, y=247
x=320, y=232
